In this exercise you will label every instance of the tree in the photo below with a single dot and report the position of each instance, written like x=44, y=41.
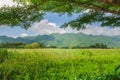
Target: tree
x=32, y=45
x=12, y=45
x=98, y=45
x=106, y=12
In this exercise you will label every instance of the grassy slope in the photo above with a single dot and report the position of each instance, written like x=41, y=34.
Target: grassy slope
x=60, y=64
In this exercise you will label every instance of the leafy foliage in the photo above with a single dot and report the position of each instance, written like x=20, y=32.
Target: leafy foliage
x=30, y=11
x=19, y=16
x=91, y=17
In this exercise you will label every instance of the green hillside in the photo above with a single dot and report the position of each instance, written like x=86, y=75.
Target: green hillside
x=68, y=39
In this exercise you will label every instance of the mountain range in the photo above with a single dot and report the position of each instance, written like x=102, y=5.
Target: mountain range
x=67, y=39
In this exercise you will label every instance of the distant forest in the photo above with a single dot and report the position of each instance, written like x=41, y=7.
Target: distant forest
x=40, y=45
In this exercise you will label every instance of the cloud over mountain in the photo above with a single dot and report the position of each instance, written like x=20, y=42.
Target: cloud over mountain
x=46, y=27
x=94, y=30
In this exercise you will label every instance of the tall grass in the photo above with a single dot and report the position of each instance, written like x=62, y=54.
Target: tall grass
x=60, y=64
x=3, y=55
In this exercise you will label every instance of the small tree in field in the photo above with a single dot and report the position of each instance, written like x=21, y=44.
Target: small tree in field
x=33, y=45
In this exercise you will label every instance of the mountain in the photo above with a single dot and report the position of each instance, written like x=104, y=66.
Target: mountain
x=68, y=39
x=4, y=39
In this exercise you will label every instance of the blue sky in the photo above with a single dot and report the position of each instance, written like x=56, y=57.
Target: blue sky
x=59, y=20
x=51, y=24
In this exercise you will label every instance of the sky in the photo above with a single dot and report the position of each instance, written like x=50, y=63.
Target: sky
x=51, y=24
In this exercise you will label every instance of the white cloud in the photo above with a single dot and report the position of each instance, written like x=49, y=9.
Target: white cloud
x=23, y=35
x=6, y=2
x=46, y=27
x=93, y=30
x=13, y=36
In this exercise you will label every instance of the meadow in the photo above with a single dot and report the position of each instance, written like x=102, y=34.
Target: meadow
x=59, y=64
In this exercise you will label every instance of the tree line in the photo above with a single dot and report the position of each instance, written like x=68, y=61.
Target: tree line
x=40, y=45
x=21, y=45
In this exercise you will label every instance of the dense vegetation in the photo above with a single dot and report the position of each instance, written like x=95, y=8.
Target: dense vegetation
x=59, y=64
x=21, y=45
x=99, y=45
x=106, y=12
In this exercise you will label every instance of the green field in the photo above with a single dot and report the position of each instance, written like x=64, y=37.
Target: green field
x=60, y=64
